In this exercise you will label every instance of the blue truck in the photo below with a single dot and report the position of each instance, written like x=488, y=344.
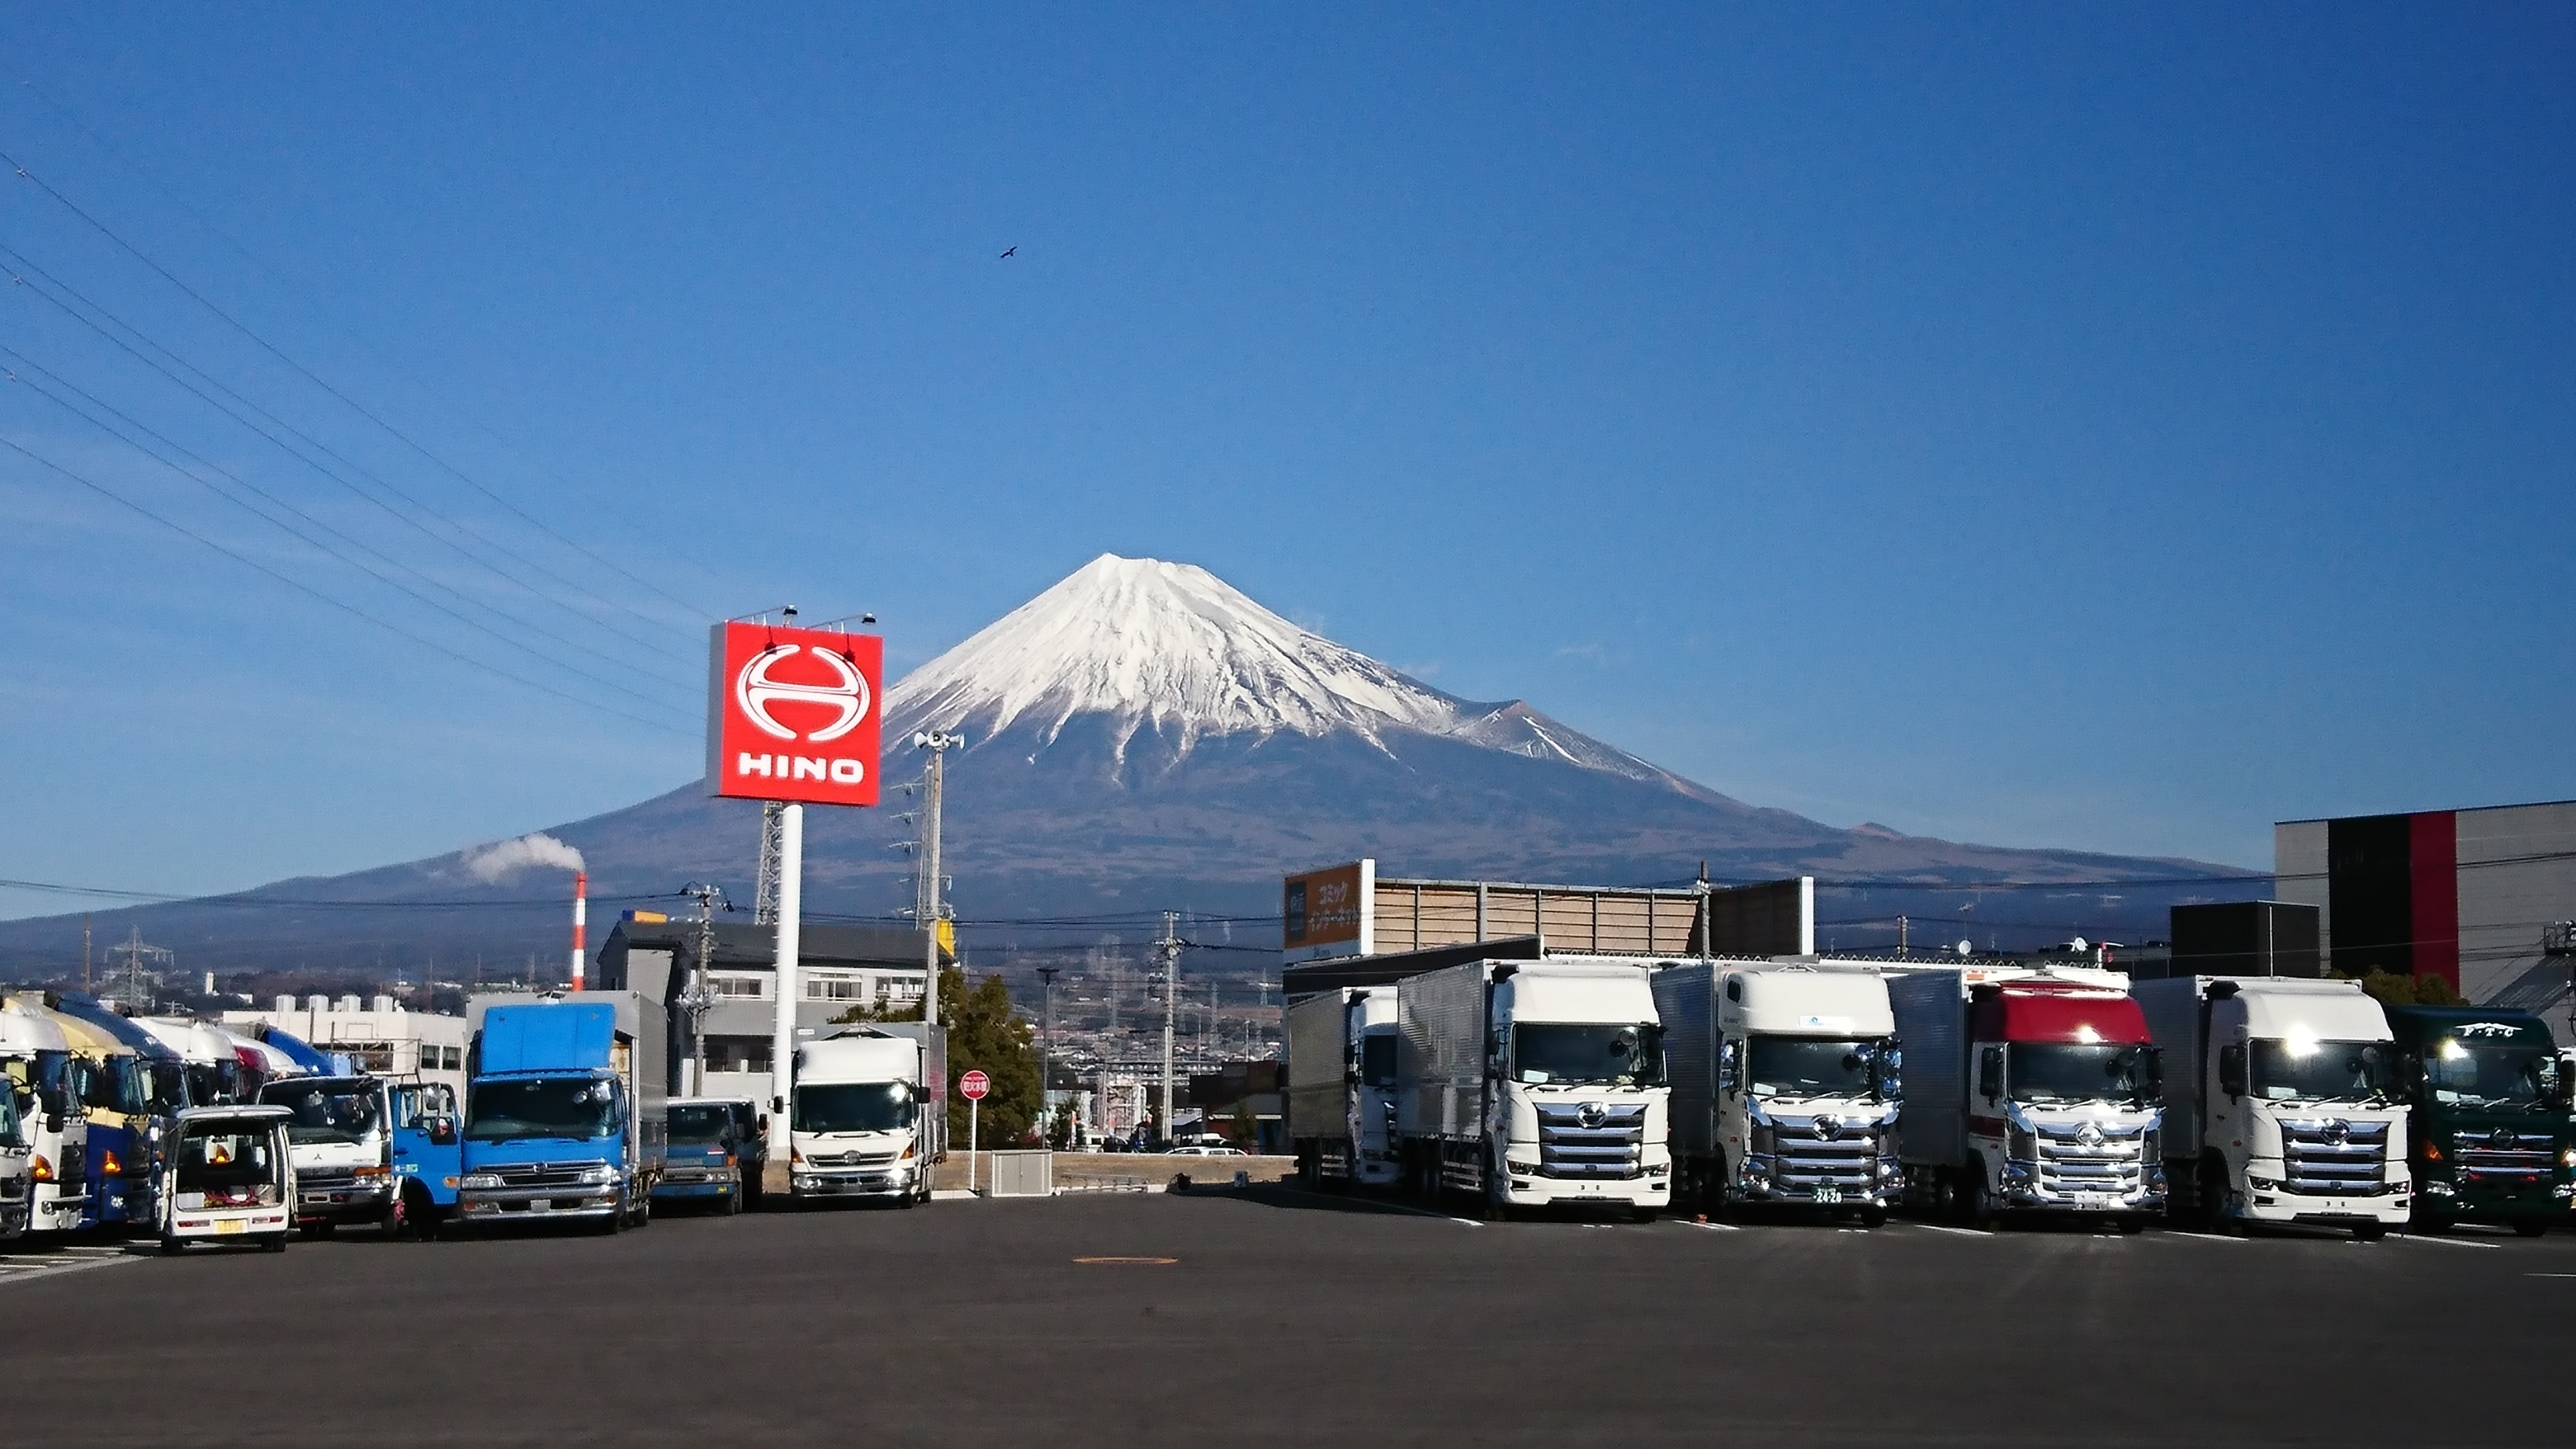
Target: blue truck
x=565, y=1104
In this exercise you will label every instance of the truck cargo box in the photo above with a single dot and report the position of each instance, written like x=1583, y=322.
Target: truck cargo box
x=1319, y=1064
x=1440, y=1053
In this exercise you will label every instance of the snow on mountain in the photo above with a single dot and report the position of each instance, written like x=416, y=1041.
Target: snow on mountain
x=1145, y=645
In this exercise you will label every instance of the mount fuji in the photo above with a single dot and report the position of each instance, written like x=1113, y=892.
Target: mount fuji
x=1142, y=736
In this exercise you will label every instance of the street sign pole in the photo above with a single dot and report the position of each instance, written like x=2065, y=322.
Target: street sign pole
x=972, y=1087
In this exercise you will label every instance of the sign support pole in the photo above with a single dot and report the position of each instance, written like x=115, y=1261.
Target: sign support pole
x=974, y=1111
x=782, y=1043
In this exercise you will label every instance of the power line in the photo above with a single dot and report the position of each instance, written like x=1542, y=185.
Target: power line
x=310, y=376
x=46, y=393
x=301, y=587
x=21, y=264
x=245, y=253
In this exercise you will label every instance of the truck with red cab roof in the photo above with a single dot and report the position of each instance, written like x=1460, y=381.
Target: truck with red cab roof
x=2029, y=1091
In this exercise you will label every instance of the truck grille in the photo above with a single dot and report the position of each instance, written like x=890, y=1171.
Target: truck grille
x=543, y=1174
x=1823, y=1151
x=326, y=1179
x=2503, y=1152
x=861, y=1160
x=2091, y=1158
x=2334, y=1158
x=1589, y=1139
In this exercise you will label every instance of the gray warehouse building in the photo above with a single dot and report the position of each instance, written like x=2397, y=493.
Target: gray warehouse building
x=838, y=967
x=2480, y=898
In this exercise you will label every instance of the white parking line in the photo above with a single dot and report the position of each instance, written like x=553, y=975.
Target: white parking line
x=1382, y=1203
x=2204, y=1237
x=1712, y=1227
x=2549, y=1275
x=19, y=1273
x=2445, y=1242
x=1962, y=1232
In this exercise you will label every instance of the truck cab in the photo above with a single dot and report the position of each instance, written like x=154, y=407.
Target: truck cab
x=863, y=1122
x=2278, y=1103
x=714, y=1153
x=1785, y=1089
x=42, y=1083
x=2028, y=1092
x=2489, y=1137
x=230, y=1178
x=564, y=1114
x=339, y=1132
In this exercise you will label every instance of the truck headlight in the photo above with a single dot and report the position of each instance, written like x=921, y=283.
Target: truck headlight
x=478, y=1182
x=598, y=1176
x=2021, y=1146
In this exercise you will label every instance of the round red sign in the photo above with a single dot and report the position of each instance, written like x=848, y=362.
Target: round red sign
x=974, y=1086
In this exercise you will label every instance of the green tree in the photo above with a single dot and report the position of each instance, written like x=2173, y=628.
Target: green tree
x=1245, y=1129
x=983, y=1035
x=2396, y=988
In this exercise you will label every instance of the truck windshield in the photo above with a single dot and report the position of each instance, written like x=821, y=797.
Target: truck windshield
x=507, y=1111
x=2462, y=1075
x=112, y=1085
x=1565, y=1055
x=699, y=1124
x=165, y=1085
x=335, y=1112
x=1787, y=1066
x=853, y=1107
x=2071, y=1072
x=1377, y=1060
x=213, y=1083
x=230, y=1162
x=2318, y=1071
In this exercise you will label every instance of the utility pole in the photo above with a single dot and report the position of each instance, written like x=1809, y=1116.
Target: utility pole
x=84, y=953
x=939, y=744
x=1046, y=1033
x=700, y=995
x=1170, y=947
x=1903, y=940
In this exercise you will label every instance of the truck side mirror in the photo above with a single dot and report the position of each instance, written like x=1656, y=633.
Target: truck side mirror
x=2231, y=1070
x=2563, y=1090
x=1730, y=1065
x=442, y=1131
x=1891, y=1072
x=1990, y=1073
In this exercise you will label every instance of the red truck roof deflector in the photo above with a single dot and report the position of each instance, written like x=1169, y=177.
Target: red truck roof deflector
x=2047, y=1011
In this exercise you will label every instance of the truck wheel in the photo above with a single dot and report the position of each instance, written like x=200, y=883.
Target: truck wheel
x=1979, y=1198
x=1873, y=1217
x=2211, y=1205
x=274, y=1243
x=1644, y=1214
x=171, y=1247
x=2529, y=1230
x=733, y=1201
x=2369, y=1233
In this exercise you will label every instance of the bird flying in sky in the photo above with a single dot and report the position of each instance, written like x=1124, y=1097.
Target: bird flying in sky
x=1006, y=256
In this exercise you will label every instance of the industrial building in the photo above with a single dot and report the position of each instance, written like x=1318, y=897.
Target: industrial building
x=2480, y=898
x=375, y=1033
x=838, y=968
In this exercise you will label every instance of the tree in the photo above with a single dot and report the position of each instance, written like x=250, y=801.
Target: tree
x=1245, y=1129
x=983, y=1035
x=2396, y=988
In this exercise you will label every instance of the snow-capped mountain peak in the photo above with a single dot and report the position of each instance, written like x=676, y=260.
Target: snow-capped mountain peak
x=1144, y=645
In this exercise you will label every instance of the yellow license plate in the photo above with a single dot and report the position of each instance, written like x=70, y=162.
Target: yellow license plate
x=232, y=1225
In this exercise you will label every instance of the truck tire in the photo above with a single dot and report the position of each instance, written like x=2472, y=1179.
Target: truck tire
x=1644, y=1214
x=733, y=1199
x=1873, y=1217
x=171, y=1247
x=2210, y=1191
x=2530, y=1229
x=2369, y=1232
x=274, y=1243
x=1977, y=1200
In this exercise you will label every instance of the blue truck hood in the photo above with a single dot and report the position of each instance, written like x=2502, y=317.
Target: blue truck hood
x=482, y=1155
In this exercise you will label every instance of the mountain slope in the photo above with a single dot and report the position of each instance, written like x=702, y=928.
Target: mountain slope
x=1143, y=736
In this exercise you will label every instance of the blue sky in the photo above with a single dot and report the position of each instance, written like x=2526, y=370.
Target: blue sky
x=2104, y=429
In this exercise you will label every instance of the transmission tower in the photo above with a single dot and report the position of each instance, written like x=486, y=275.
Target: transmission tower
x=764, y=901
x=132, y=983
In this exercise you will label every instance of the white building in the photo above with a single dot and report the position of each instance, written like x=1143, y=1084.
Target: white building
x=376, y=1034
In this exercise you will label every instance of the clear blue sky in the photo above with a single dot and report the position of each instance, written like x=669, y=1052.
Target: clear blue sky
x=2098, y=428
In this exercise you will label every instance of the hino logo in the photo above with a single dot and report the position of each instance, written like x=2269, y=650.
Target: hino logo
x=2338, y=1132
x=1591, y=1114
x=2503, y=1139
x=1828, y=1128
x=2089, y=1135
x=755, y=692
x=2489, y=1028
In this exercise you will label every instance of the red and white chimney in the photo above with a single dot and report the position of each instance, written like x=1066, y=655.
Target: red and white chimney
x=580, y=923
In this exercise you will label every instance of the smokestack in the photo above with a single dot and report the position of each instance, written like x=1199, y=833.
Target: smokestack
x=580, y=922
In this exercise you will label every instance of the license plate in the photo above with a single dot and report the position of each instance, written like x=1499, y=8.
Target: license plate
x=1829, y=1194
x=541, y=1205
x=232, y=1225
x=317, y=1199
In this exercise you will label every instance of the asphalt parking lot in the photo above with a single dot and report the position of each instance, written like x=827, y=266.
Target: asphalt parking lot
x=1276, y=1317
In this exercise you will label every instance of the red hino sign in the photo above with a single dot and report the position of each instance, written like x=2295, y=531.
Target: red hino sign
x=793, y=714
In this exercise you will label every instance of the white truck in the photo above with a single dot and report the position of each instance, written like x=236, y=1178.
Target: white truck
x=44, y=1092
x=2029, y=1090
x=2277, y=1106
x=869, y=1116
x=1533, y=1084
x=1785, y=1090
x=1341, y=1086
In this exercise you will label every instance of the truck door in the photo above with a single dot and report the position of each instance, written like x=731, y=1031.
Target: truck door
x=426, y=1145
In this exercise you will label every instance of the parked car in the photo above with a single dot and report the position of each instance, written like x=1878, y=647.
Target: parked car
x=1203, y=1149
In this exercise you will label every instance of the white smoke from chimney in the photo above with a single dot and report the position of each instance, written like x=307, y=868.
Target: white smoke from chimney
x=491, y=863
